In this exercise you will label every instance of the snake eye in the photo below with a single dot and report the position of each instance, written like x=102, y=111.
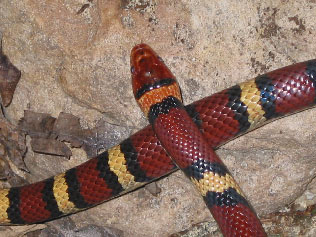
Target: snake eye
x=132, y=69
x=142, y=60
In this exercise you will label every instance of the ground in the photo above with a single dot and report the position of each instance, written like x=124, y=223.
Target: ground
x=74, y=58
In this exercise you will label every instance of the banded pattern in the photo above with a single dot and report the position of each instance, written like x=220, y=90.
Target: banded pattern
x=222, y=117
x=187, y=147
x=281, y=92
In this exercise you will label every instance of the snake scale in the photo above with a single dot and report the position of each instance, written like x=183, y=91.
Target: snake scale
x=140, y=158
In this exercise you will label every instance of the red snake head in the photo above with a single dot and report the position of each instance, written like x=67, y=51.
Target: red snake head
x=151, y=78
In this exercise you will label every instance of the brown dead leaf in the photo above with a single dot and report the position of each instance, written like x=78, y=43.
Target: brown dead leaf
x=9, y=78
x=51, y=147
x=68, y=129
x=48, y=134
x=12, y=148
x=37, y=124
x=13, y=142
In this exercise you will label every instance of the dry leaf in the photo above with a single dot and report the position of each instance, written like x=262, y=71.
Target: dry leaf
x=50, y=146
x=9, y=78
x=37, y=124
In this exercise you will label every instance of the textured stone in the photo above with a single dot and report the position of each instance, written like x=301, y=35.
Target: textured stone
x=79, y=64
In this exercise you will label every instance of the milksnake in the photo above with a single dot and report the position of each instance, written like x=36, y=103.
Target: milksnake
x=140, y=158
x=158, y=95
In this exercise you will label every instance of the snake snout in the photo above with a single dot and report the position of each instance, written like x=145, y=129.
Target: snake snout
x=148, y=69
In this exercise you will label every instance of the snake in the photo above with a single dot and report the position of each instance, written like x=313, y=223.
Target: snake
x=141, y=159
x=158, y=95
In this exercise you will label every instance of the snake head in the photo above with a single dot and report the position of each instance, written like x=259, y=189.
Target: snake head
x=151, y=79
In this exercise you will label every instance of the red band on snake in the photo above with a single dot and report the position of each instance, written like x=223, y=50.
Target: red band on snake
x=141, y=158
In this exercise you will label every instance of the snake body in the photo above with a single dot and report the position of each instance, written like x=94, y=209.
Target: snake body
x=158, y=94
x=141, y=158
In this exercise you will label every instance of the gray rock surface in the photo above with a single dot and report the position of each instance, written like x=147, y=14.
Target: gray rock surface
x=79, y=64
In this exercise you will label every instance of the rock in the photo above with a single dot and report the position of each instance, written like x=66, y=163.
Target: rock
x=79, y=64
